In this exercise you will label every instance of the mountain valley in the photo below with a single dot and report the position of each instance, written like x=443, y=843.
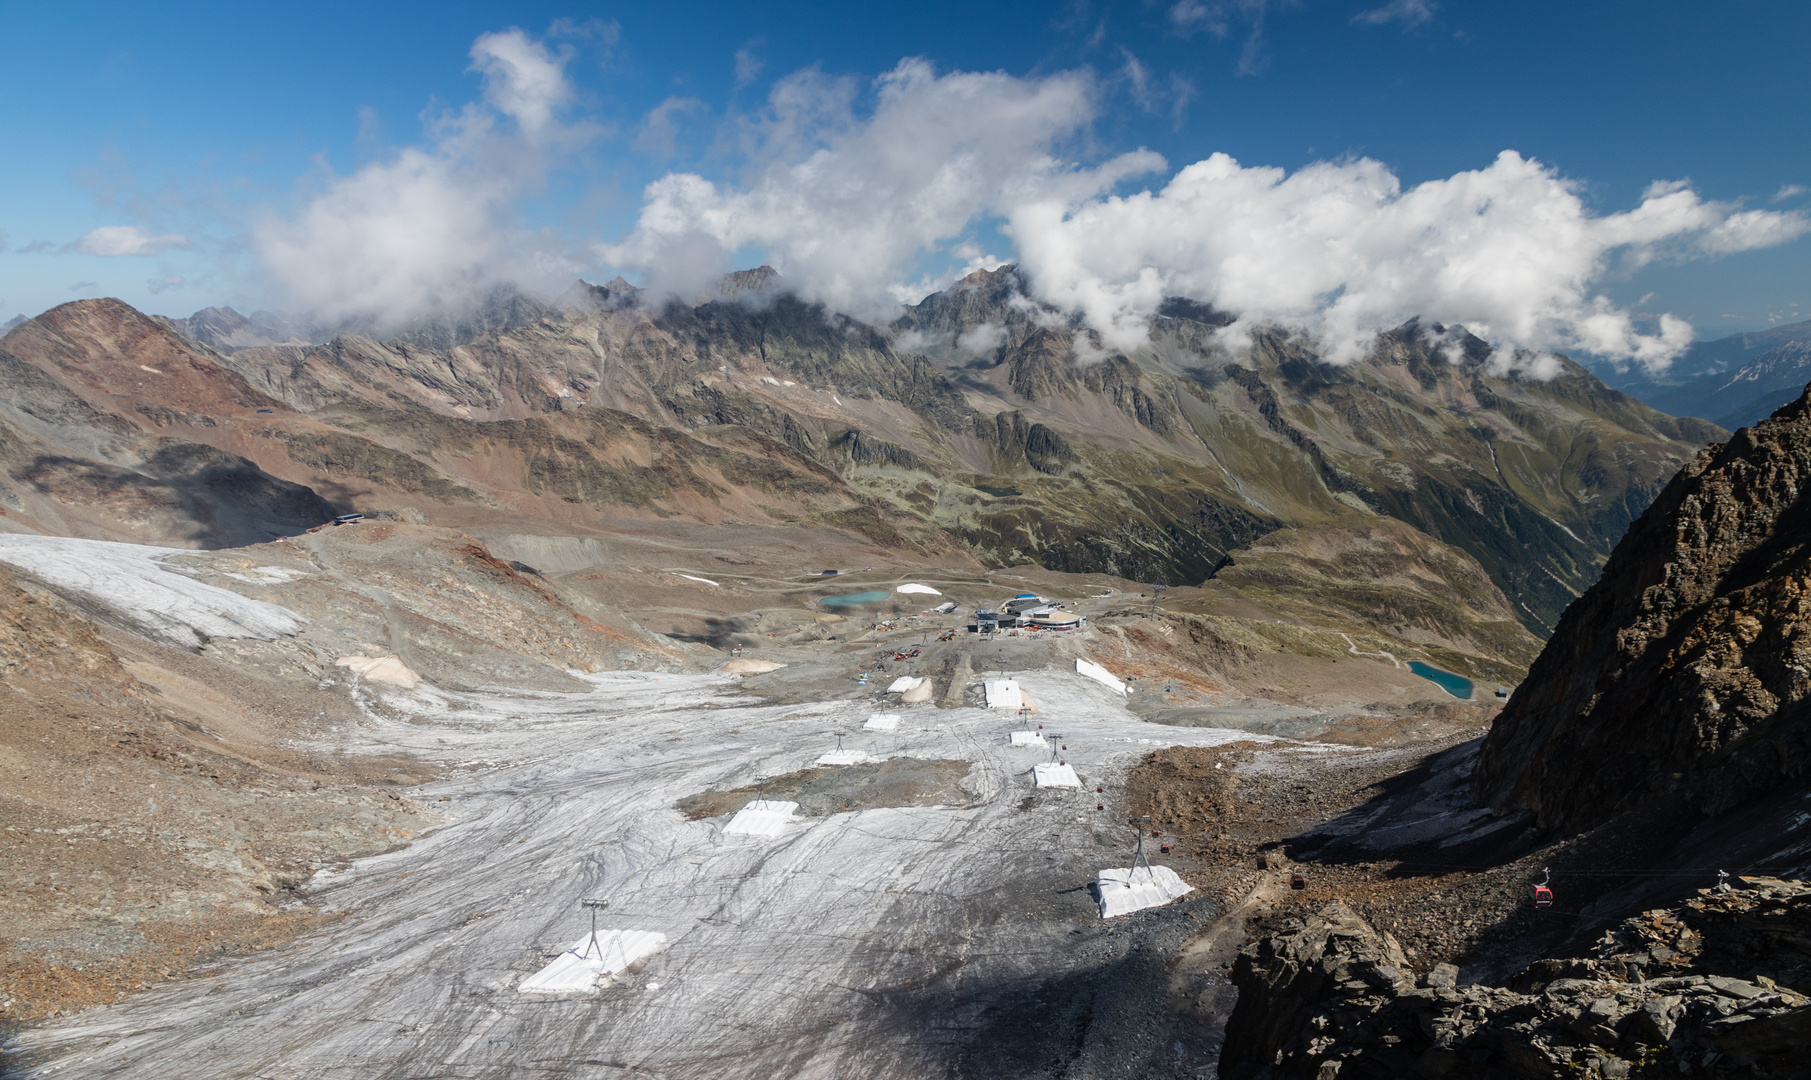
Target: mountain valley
x=605, y=571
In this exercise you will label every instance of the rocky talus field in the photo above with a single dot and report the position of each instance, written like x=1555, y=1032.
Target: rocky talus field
x=1328, y=995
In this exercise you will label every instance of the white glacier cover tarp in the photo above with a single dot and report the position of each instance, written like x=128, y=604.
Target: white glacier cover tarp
x=904, y=683
x=762, y=818
x=843, y=757
x=1004, y=694
x=1052, y=774
x=579, y=967
x=916, y=588
x=1028, y=738
x=1124, y=891
x=882, y=722
x=1099, y=674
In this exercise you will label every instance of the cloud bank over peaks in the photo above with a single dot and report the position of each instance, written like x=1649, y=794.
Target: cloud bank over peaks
x=842, y=205
x=433, y=227
x=1341, y=251
x=848, y=207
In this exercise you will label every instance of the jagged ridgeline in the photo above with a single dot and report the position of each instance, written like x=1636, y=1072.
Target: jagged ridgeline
x=979, y=415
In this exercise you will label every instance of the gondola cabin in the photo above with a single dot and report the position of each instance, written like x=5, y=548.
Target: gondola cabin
x=1297, y=881
x=1543, y=896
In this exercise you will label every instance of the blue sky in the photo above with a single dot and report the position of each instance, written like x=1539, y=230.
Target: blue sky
x=210, y=130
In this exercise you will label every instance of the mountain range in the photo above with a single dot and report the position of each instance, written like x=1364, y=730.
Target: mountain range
x=1733, y=381
x=979, y=422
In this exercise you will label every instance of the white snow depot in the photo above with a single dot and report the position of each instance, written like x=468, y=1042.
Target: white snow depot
x=130, y=579
x=872, y=943
x=882, y=722
x=1055, y=774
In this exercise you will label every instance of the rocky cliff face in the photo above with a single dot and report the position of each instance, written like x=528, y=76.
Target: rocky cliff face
x=1328, y=996
x=1685, y=671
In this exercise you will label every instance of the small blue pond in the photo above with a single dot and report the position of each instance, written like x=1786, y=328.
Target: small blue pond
x=1457, y=685
x=853, y=599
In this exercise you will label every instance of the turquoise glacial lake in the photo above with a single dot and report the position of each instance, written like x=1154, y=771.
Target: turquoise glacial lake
x=1457, y=685
x=853, y=599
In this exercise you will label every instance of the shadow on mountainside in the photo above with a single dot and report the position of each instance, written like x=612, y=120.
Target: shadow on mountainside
x=1454, y=882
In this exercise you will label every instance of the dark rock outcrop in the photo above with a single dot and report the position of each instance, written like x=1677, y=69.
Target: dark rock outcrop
x=1686, y=670
x=1329, y=997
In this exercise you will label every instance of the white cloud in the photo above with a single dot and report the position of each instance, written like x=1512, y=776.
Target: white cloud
x=917, y=341
x=1341, y=250
x=113, y=240
x=982, y=339
x=850, y=202
x=1788, y=191
x=748, y=67
x=165, y=284
x=1410, y=13
x=847, y=206
x=521, y=78
x=660, y=128
x=1173, y=96
x=840, y=205
x=1218, y=16
x=433, y=226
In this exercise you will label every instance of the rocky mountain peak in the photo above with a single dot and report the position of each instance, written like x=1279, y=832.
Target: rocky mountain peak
x=614, y=295
x=115, y=352
x=1685, y=671
x=761, y=279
